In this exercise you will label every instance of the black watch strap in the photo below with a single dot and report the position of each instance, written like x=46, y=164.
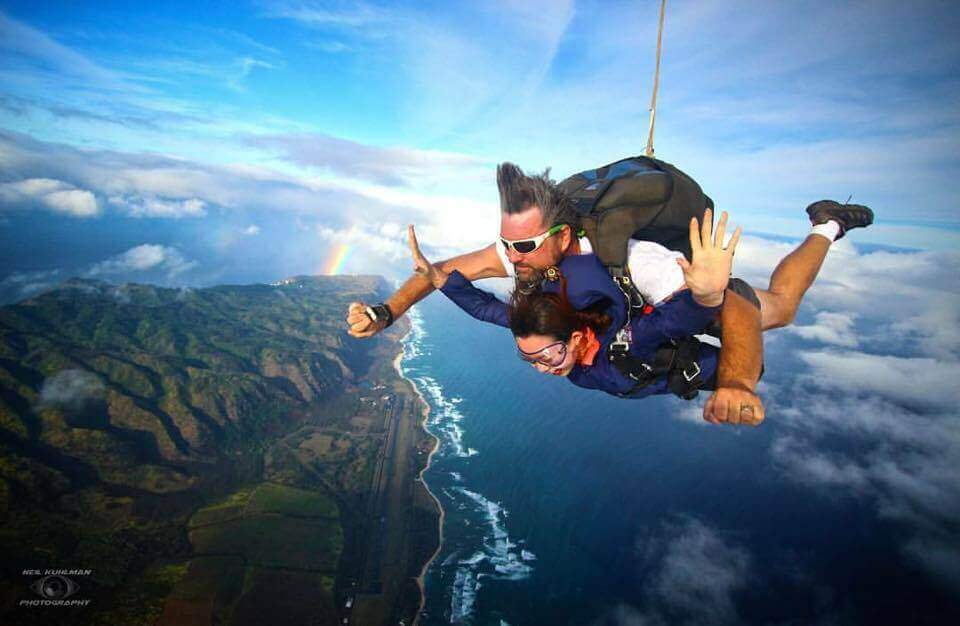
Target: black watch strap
x=381, y=312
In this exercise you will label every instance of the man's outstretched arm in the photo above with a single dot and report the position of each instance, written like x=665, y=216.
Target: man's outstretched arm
x=741, y=360
x=476, y=265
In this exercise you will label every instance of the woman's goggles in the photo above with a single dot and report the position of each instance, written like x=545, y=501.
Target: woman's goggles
x=550, y=356
x=526, y=246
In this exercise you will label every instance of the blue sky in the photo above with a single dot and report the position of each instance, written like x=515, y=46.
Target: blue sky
x=248, y=137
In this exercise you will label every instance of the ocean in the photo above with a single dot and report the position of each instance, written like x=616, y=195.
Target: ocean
x=569, y=506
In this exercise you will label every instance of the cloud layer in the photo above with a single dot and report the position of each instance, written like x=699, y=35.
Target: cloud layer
x=691, y=573
x=70, y=388
x=871, y=410
x=53, y=195
x=145, y=257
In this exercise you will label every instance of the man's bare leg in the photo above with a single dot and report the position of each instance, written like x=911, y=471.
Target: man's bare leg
x=797, y=271
x=793, y=276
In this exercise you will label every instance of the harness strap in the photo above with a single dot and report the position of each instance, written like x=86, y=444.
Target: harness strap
x=677, y=360
x=685, y=379
x=635, y=302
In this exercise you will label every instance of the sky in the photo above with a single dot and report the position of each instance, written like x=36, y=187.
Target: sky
x=234, y=142
x=227, y=142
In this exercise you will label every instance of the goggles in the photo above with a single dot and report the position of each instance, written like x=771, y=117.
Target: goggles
x=526, y=246
x=550, y=356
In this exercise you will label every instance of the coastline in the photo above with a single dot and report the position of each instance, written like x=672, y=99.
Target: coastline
x=425, y=413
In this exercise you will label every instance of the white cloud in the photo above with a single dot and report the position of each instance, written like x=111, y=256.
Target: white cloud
x=916, y=382
x=815, y=468
x=54, y=195
x=833, y=328
x=383, y=248
x=391, y=229
x=382, y=165
x=158, y=207
x=449, y=224
x=314, y=14
x=24, y=284
x=691, y=573
x=877, y=423
x=901, y=460
x=934, y=326
x=20, y=39
x=143, y=258
x=816, y=411
x=893, y=295
x=371, y=241
x=70, y=387
x=33, y=187
x=251, y=230
x=692, y=412
x=700, y=572
x=330, y=46
x=165, y=186
x=77, y=202
x=245, y=66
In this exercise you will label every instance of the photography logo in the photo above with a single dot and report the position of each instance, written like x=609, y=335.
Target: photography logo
x=56, y=587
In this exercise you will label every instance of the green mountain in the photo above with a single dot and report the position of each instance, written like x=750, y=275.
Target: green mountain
x=176, y=441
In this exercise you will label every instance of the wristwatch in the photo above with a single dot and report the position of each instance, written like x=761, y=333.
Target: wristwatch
x=380, y=312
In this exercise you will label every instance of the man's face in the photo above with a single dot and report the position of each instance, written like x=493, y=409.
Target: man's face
x=526, y=225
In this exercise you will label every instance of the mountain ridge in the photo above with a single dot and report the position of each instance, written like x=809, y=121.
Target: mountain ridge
x=125, y=407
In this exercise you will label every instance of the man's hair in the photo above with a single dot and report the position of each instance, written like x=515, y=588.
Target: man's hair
x=518, y=192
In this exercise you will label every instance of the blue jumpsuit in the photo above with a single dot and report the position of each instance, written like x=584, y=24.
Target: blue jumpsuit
x=588, y=283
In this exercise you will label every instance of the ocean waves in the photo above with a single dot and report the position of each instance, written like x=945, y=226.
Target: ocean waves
x=498, y=549
x=445, y=418
x=474, y=524
x=496, y=558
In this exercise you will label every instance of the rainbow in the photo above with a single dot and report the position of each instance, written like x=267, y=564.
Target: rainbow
x=337, y=259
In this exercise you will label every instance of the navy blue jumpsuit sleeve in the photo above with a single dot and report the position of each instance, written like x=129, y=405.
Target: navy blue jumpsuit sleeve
x=676, y=318
x=478, y=303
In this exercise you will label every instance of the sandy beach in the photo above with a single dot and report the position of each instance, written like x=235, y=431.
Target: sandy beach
x=425, y=412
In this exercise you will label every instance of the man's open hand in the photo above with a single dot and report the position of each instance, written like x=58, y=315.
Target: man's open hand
x=421, y=265
x=361, y=324
x=730, y=405
x=707, y=276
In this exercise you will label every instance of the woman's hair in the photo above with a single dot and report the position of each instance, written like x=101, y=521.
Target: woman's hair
x=552, y=315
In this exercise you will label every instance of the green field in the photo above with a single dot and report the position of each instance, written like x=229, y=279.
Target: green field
x=271, y=525
x=265, y=545
x=283, y=500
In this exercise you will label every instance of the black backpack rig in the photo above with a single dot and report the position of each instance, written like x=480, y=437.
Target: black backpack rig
x=647, y=199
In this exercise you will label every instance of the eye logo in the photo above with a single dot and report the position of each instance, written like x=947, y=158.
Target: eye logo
x=54, y=587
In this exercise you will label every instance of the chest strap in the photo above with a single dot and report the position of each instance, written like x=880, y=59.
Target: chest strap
x=636, y=305
x=676, y=359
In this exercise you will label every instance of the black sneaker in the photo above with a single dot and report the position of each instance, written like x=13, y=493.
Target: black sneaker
x=847, y=215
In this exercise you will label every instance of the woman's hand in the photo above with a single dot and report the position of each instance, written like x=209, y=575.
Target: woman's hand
x=708, y=275
x=436, y=276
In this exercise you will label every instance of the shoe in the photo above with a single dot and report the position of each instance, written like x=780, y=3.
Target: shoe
x=847, y=215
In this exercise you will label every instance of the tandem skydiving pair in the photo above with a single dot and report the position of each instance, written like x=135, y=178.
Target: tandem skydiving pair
x=616, y=270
